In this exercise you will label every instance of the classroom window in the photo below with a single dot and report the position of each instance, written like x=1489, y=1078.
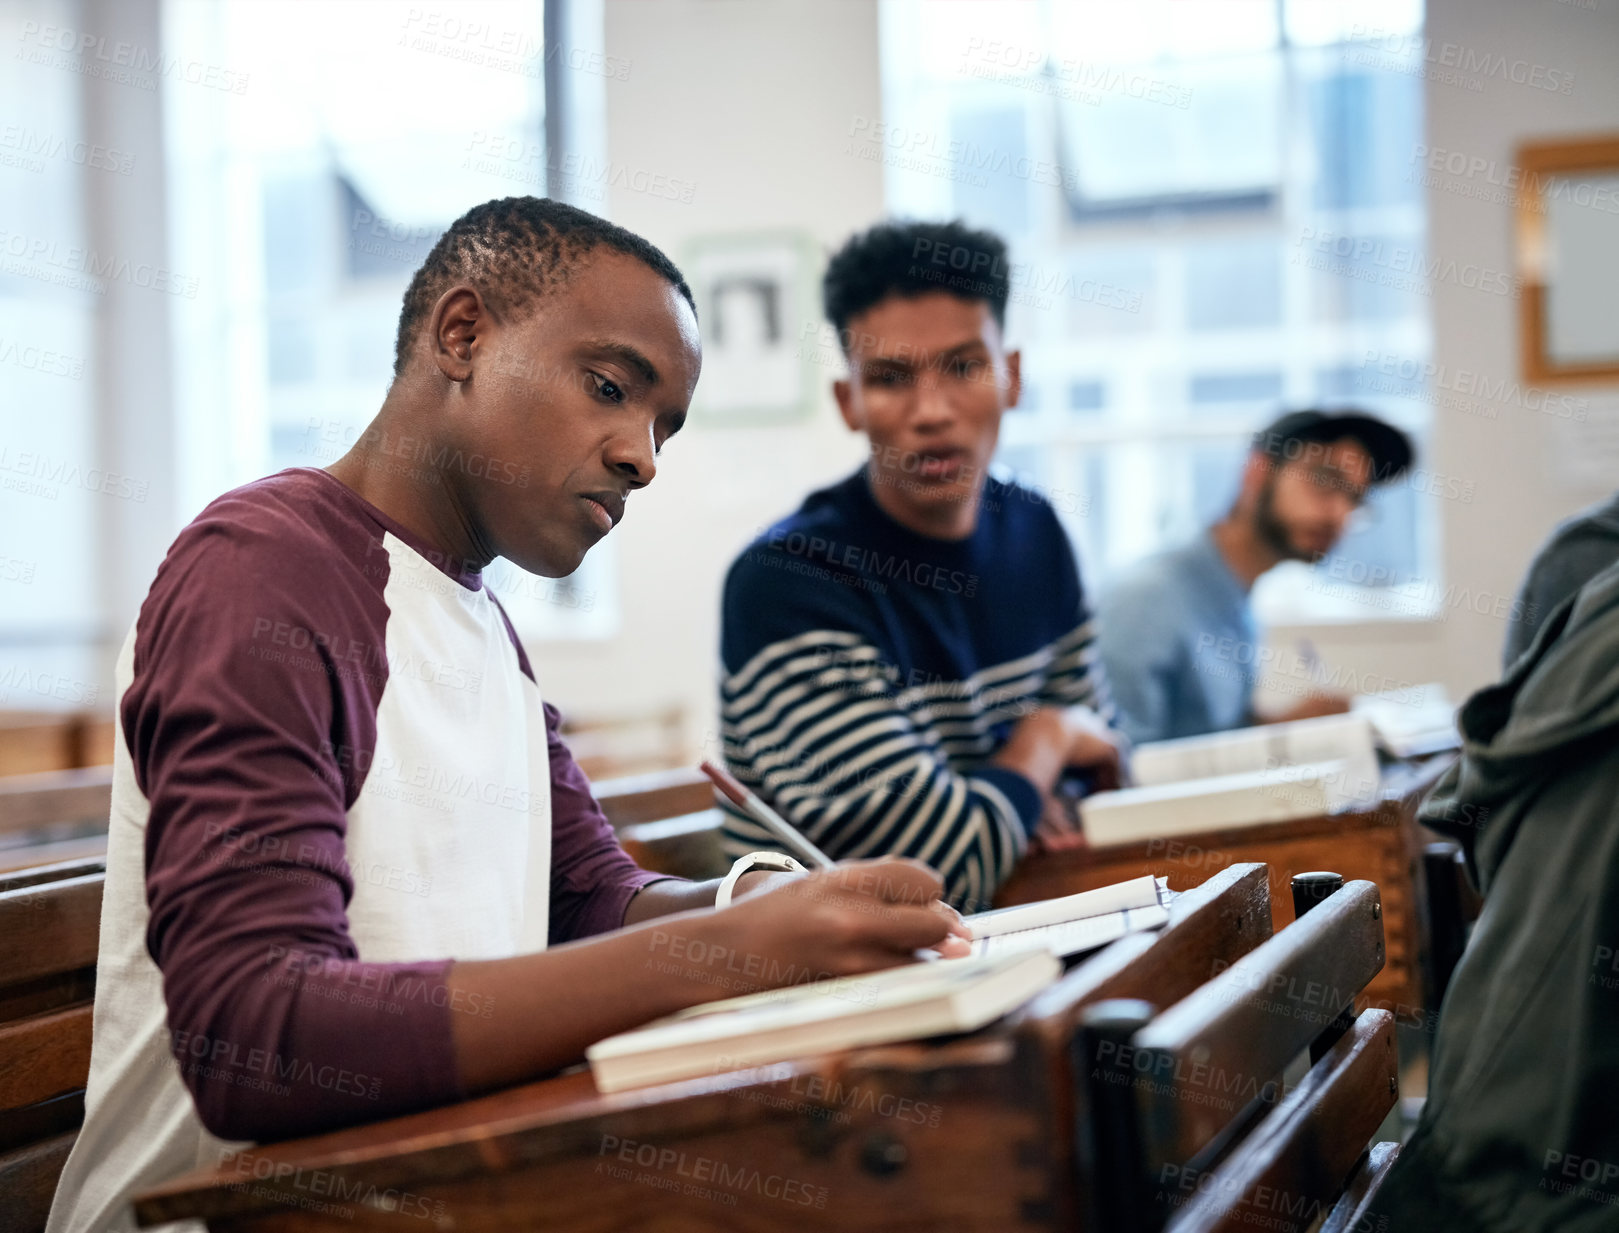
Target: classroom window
x=51, y=329
x=1086, y=396
x=1261, y=388
x=339, y=173
x=1207, y=207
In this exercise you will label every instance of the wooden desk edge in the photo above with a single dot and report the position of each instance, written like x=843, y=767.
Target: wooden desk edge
x=507, y=1126
x=1101, y=975
x=1400, y=793
x=536, y=1122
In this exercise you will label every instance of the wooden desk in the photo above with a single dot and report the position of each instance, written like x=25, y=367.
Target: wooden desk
x=1382, y=844
x=37, y=741
x=975, y=1132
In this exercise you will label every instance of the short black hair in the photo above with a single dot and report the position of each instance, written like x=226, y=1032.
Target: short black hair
x=513, y=251
x=911, y=259
x=1303, y=433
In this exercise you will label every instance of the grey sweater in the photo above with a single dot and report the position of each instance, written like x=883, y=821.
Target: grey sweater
x=1579, y=549
x=1521, y=1128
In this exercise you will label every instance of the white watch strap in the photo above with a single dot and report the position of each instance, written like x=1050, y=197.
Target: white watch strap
x=775, y=861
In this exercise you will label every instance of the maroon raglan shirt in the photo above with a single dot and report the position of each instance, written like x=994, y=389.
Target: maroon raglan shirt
x=335, y=777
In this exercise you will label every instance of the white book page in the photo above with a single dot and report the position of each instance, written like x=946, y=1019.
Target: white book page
x=1075, y=936
x=1139, y=892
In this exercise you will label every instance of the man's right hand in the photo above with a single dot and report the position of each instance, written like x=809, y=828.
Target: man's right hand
x=855, y=917
x=1051, y=738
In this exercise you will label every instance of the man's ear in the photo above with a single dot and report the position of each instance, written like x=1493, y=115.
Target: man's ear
x=1259, y=468
x=843, y=391
x=1014, y=377
x=459, y=319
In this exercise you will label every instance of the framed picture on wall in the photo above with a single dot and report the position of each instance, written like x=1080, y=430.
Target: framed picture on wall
x=756, y=309
x=1568, y=259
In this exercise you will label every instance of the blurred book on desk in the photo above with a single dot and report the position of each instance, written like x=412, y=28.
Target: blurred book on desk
x=1411, y=723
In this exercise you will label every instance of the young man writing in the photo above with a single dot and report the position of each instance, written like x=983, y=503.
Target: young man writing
x=1178, y=634
x=908, y=658
x=351, y=867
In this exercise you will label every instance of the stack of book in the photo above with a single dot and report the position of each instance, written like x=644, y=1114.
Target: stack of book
x=1270, y=773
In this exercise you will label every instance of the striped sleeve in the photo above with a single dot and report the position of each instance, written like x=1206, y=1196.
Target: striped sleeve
x=1076, y=676
x=817, y=724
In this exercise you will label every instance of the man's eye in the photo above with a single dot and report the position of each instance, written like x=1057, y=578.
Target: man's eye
x=964, y=368
x=886, y=378
x=607, y=389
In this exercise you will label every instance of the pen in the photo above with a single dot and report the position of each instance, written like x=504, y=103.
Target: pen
x=767, y=817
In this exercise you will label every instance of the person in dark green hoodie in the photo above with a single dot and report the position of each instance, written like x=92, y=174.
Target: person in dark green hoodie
x=1520, y=1132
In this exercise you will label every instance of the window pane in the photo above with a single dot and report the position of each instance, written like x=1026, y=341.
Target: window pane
x=1361, y=120
x=1086, y=396
x=1233, y=284
x=1235, y=209
x=993, y=150
x=339, y=170
x=1262, y=387
x=1216, y=474
x=50, y=508
x=1366, y=277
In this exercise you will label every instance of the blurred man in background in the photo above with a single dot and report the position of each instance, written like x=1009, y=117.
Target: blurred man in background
x=1178, y=634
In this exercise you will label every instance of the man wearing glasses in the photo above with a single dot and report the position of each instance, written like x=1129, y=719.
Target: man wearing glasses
x=1177, y=634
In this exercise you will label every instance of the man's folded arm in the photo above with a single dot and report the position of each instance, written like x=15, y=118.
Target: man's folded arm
x=1076, y=676
x=817, y=722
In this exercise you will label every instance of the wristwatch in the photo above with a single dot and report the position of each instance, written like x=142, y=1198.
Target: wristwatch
x=774, y=861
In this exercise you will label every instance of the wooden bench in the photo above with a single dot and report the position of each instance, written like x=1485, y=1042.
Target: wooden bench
x=1191, y=1129
x=35, y=741
x=50, y=922
x=667, y=821
x=976, y=1132
x=54, y=816
x=649, y=740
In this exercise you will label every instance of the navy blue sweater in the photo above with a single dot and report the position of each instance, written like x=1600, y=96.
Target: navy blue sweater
x=871, y=672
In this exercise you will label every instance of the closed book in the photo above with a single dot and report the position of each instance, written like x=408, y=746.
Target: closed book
x=1327, y=738
x=905, y=1003
x=1252, y=798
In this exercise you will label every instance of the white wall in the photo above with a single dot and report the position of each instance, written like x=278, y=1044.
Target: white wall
x=752, y=104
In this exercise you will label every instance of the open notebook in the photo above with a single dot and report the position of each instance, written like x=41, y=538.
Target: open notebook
x=1015, y=955
x=1073, y=923
x=1411, y=722
x=907, y=1003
